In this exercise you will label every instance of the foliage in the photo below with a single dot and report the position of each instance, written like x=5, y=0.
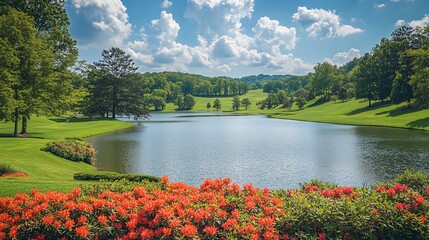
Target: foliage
x=121, y=91
x=72, y=149
x=50, y=19
x=26, y=69
x=119, y=186
x=6, y=168
x=188, y=102
x=216, y=104
x=245, y=103
x=236, y=103
x=420, y=79
x=113, y=176
x=324, y=78
x=208, y=106
x=300, y=102
x=219, y=209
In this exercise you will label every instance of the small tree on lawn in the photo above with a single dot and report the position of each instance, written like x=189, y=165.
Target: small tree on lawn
x=236, y=103
x=300, y=102
x=216, y=104
x=208, y=106
x=188, y=101
x=246, y=103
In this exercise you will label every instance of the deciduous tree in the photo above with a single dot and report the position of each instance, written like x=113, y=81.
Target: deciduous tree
x=26, y=69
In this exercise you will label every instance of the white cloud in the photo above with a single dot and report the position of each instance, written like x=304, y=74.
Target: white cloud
x=222, y=44
x=400, y=22
x=422, y=23
x=381, y=5
x=166, y=4
x=101, y=22
x=323, y=23
x=342, y=58
x=166, y=28
x=219, y=17
x=271, y=37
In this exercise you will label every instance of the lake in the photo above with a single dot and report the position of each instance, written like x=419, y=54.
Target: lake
x=272, y=153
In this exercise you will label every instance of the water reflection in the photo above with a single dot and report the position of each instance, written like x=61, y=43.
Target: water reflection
x=267, y=152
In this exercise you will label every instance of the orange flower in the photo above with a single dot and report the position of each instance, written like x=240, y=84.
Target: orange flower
x=48, y=220
x=210, y=230
x=13, y=232
x=82, y=231
x=164, y=179
x=69, y=224
x=174, y=223
x=189, y=230
x=82, y=219
x=102, y=219
x=57, y=224
x=419, y=199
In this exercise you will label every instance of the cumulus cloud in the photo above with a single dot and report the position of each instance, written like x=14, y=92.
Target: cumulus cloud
x=400, y=22
x=166, y=4
x=219, y=17
x=271, y=37
x=422, y=23
x=322, y=23
x=99, y=22
x=222, y=44
x=166, y=28
x=342, y=58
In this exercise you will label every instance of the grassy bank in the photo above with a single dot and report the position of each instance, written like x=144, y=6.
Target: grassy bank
x=354, y=112
x=46, y=171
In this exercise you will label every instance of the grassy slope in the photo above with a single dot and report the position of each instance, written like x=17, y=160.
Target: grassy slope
x=46, y=171
x=350, y=112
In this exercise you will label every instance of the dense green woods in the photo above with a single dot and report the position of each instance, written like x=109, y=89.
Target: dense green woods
x=395, y=70
x=40, y=74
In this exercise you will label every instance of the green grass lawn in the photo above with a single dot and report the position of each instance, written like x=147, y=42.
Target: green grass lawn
x=357, y=112
x=46, y=171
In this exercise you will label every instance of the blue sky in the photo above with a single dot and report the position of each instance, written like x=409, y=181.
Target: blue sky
x=238, y=37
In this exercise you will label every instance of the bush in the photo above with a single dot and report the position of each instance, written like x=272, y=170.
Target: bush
x=72, y=149
x=112, y=176
x=118, y=186
x=218, y=209
x=5, y=168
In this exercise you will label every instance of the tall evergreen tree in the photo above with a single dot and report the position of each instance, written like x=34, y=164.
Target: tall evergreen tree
x=116, y=66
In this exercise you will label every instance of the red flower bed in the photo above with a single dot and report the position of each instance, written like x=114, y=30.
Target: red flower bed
x=14, y=174
x=218, y=209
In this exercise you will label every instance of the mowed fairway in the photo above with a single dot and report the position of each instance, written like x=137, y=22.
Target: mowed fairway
x=357, y=112
x=46, y=171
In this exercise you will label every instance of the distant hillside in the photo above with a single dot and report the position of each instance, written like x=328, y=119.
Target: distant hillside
x=262, y=77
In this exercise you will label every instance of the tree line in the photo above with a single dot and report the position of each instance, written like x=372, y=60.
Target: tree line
x=396, y=70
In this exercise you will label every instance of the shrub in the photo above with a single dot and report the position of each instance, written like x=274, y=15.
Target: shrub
x=5, y=168
x=218, y=209
x=72, y=149
x=113, y=176
x=118, y=186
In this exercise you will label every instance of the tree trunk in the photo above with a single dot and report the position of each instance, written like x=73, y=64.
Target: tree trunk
x=24, y=125
x=114, y=102
x=16, y=119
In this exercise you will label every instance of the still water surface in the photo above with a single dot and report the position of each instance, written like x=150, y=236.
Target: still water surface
x=273, y=153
